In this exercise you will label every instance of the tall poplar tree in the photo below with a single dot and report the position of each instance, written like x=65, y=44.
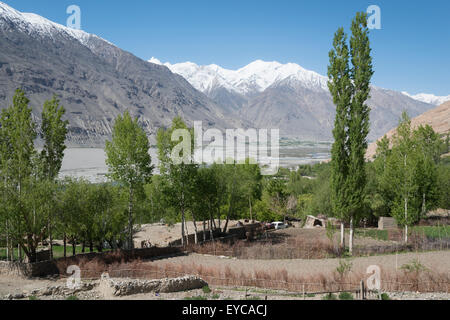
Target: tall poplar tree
x=341, y=90
x=350, y=89
x=359, y=125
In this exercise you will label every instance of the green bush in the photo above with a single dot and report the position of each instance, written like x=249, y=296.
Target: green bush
x=345, y=296
x=329, y=296
x=206, y=289
x=385, y=296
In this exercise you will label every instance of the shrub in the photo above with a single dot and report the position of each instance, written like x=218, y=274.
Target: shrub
x=345, y=296
x=206, y=289
x=414, y=266
x=344, y=267
x=329, y=296
x=385, y=296
x=72, y=298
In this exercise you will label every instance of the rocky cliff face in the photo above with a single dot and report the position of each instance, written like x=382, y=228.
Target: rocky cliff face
x=94, y=80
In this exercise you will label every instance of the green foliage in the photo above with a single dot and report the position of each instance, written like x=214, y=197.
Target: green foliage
x=128, y=157
x=72, y=298
x=433, y=232
x=350, y=89
x=345, y=296
x=374, y=233
x=329, y=296
x=415, y=266
x=385, y=296
x=28, y=189
x=330, y=230
x=206, y=289
x=344, y=267
x=408, y=173
x=443, y=186
x=54, y=132
x=129, y=162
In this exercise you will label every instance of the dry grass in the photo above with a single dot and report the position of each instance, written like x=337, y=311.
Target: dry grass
x=291, y=248
x=404, y=280
x=313, y=244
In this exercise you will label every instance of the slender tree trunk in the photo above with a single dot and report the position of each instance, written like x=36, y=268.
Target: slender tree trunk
x=83, y=247
x=342, y=236
x=187, y=231
x=74, y=247
x=406, y=220
x=130, y=220
x=250, y=206
x=218, y=216
x=204, y=230
x=65, y=245
x=7, y=241
x=230, y=209
x=195, y=228
x=211, y=233
x=424, y=207
x=350, y=240
x=91, y=246
x=182, y=228
x=50, y=234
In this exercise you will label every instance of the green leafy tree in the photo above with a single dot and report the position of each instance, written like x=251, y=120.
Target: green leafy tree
x=350, y=89
x=129, y=161
x=54, y=133
x=251, y=180
x=410, y=174
x=179, y=177
x=358, y=121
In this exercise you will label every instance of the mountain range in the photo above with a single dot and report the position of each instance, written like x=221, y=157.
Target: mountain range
x=95, y=81
x=289, y=97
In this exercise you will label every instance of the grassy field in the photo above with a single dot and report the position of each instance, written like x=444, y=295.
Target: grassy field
x=432, y=232
x=58, y=252
x=373, y=233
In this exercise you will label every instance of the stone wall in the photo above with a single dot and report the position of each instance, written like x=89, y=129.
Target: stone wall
x=191, y=237
x=110, y=287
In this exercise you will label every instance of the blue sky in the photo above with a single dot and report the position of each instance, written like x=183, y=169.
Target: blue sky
x=411, y=51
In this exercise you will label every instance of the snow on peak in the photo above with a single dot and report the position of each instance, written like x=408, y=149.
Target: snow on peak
x=255, y=77
x=34, y=24
x=428, y=98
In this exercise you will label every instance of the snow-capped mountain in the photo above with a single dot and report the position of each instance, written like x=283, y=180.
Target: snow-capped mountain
x=289, y=97
x=256, y=77
x=429, y=98
x=35, y=25
x=94, y=80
